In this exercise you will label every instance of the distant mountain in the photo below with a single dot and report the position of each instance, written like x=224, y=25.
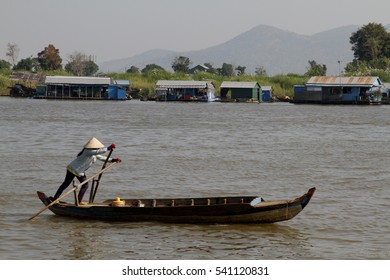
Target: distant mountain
x=278, y=51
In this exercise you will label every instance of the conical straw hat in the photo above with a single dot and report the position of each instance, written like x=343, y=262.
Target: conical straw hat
x=93, y=143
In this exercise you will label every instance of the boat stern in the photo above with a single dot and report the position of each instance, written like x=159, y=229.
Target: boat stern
x=43, y=198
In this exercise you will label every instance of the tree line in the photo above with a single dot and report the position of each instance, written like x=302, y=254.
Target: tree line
x=370, y=45
x=49, y=59
x=181, y=64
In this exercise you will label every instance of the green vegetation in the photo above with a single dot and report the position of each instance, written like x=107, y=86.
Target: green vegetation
x=181, y=64
x=316, y=69
x=282, y=84
x=370, y=44
x=4, y=82
x=371, y=47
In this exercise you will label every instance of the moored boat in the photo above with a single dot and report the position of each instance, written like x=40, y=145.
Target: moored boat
x=213, y=210
x=284, y=98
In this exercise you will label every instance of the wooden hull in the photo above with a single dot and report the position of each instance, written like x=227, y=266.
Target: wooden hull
x=217, y=210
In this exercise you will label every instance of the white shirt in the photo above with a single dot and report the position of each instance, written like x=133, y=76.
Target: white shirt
x=84, y=161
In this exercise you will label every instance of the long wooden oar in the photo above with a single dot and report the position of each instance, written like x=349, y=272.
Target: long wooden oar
x=94, y=189
x=73, y=189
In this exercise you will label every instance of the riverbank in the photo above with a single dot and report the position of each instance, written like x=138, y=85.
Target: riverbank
x=143, y=84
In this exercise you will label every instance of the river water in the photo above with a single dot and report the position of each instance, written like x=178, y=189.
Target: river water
x=277, y=151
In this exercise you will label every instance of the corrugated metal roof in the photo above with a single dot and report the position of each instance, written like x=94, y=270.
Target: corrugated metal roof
x=183, y=84
x=201, y=66
x=238, y=84
x=343, y=81
x=78, y=80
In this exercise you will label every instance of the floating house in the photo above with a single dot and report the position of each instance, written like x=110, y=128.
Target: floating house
x=86, y=88
x=200, y=91
x=198, y=68
x=241, y=91
x=339, y=90
x=267, y=94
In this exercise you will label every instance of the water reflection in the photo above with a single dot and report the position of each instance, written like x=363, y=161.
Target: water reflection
x=101, y=240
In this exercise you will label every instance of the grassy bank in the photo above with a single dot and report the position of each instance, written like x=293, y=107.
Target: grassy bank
x=4, y=82
x=282, y=84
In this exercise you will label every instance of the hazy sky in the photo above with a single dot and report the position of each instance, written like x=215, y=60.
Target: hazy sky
x=122, y=28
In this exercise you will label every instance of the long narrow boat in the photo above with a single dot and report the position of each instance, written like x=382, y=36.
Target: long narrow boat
x=219, y=210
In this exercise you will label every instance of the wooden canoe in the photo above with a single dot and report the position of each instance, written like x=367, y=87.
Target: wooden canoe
x=213, y=210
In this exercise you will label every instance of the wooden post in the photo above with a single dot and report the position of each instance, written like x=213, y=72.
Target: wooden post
x=92, y=198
